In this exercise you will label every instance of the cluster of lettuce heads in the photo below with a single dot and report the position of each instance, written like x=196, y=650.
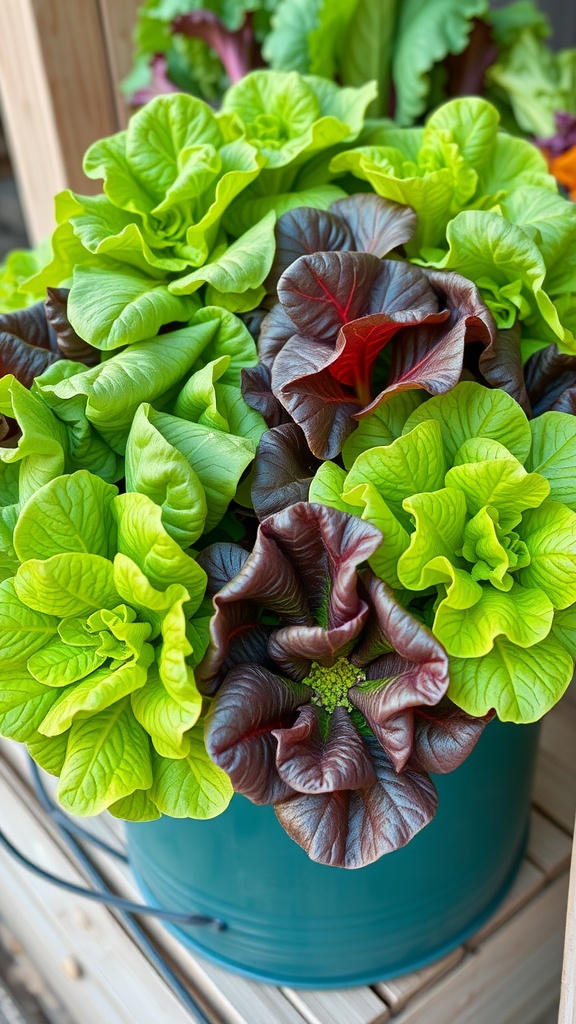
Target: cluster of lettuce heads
x=287, y=489
x=420, y=52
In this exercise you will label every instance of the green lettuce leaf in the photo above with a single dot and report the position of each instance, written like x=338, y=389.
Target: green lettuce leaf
x=191, y=787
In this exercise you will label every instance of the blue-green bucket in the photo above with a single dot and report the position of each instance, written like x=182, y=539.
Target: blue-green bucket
x=293, y=922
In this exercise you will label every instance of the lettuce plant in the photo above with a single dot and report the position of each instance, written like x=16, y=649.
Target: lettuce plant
x=98, y=627
x=328, y=695
x=487, y=209
x=476, y=505
x=339, y=310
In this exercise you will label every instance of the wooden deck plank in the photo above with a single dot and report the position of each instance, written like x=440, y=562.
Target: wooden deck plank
x=555, y=791
x=512, y=978
x=397, y=992
x=352, y=1006
x=549, y=846
x=568, y=998
x=76, y=946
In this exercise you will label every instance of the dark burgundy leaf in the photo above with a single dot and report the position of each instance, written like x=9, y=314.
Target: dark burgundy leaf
x=445, y=736
x=317, y=402
x=500, y=364
x=353, y=828
x=377, y=225
x=295, y=648
x=283, y=470
x=71, y=346
x=304, y=231
x=28, y=345
x=411, y=664
x=430, y=355
x=466, y=70
x=322, y=292
x=277, y=329
x=221, y=563
x=248, y=707
x=257, y=393
x=310, y=762
x=237, y=50
x=551, y=381
x=360, y=223
x=324, y=547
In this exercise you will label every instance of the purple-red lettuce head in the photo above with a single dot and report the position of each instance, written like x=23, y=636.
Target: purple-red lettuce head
x=328, y=695
x=351, y=328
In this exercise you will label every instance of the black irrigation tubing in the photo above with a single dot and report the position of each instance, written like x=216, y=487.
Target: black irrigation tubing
x=102, y=894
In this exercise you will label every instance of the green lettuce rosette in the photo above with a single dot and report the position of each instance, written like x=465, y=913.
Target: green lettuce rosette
x=100, y=629
x=477, y=506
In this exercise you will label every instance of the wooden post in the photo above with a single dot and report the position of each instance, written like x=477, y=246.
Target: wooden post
x=568, y=998
x=59, y=93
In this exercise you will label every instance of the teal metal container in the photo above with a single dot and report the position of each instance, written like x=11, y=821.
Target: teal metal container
x=293, y=922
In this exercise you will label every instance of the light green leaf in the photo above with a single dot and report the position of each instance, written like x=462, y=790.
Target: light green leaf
x=41, y=448
x=410, y=465
x=48, y=751
x=252, y=206
x=554, y=454
x=383, y=426
x=470, y=410
x=112, y=391
x=100, y=690
x=564, y=629
x=439, y=520
x=521, y=684
x=67, y=584
x=24, y=702
x=427, y=31
x=549, y=533
x=229, y=337
x=142, y=537
x=504, y=263
x=155, y=468
x=489, y=475
x=108, y=758
x=23, y=631
x=70, y=513
x=217, y=458
x=327, y=488
x=513, y=163
x=366, y=502
x=365, y=53
x=136, y=807
x=58, y=664
x=523, y=616
x=547, y=218
x=242, y=266
x=166, y=719
x=193, y=787
x=112, y=306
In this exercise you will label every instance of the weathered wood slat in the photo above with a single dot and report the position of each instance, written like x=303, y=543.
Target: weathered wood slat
x=56, y=927
x=57, y=98
x=568, y=998
x=549, y=847
x=118, y=20
x=399, y=991
x=512, y=979
x=353, y=1005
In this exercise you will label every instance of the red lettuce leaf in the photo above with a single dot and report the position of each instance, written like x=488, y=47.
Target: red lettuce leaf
x=360, y=223
x=256, y=383
x=283, y=470
x=445, y=736
x=248, y=707
x=551, y=381
x=353, y=828
x=70, y=345
x=410, y=663
x=160, y=83
x=311, y=762
x=500, y=364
